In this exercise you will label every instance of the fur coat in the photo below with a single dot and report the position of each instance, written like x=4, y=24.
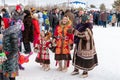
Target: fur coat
x=63, y=38
x=28, y=31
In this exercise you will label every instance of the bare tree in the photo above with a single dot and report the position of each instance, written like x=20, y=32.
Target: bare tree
x=92, y=6
x=102, y=7
x=116, y=5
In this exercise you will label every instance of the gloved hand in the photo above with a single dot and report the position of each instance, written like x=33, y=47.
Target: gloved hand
x=71, y=46
x=2, y=57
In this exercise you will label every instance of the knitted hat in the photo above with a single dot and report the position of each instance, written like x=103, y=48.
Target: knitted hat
x=84, y=18
x=18, y=7
x=35, y=15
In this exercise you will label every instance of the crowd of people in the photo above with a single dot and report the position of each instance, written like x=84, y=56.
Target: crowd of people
x=104, y=18
x=54, y=30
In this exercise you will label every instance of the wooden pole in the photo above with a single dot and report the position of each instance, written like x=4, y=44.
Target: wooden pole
x=68, y=3
x=4, y=3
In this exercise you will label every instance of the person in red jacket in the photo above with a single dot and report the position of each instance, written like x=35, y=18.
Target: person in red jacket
x=6, y=22
x=36, y=29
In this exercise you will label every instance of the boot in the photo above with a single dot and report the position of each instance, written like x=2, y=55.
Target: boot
x=43, y=66
x=11, y=78
x=75, y=72
x=65, y=66
x=21, y=67
x=47, y=67
x=84, y=74
x=60, y=66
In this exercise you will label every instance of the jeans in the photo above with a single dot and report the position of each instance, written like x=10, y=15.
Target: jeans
x=104, y=24
x=118, y=23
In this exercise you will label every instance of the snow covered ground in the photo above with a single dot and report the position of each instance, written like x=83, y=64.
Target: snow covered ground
x=107, y=45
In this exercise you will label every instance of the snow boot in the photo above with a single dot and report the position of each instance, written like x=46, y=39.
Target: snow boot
x=21, y=67
x=65, y=66
x=75, y=72
x=60, y=66
x=47, y=67
x=84, y=74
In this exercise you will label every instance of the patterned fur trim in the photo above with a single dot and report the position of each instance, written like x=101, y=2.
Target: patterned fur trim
x=86, y=69
x=87, y=52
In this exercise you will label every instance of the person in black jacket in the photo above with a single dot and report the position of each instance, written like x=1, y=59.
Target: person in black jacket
x=27, y=34
x=118, y=19
x=55, y=19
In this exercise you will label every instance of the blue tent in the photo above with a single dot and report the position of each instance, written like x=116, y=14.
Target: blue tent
x=77, y=2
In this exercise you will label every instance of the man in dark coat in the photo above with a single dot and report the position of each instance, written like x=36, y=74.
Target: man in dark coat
x=27, y=34
x=55, y=19
x=118, y=19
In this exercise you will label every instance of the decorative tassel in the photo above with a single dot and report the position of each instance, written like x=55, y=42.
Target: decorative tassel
x=68, y=63
x=56, y=63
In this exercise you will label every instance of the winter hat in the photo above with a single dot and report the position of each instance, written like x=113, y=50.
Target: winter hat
x=84, y=18
x=35, y=16
x=18, y=7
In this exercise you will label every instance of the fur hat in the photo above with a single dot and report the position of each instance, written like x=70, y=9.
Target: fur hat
x=48, y=35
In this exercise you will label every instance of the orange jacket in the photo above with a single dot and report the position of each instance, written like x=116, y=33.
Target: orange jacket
x=63, y=39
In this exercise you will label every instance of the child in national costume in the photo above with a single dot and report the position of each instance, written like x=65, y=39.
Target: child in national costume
x=63, y=38
x=43, y=55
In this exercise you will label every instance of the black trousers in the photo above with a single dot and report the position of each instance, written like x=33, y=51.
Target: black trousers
x=118, y=23
x=27, y=47
x=113, y=24
x=11, y=78
x=20, y=47
x=2, y=77
x=104, y=23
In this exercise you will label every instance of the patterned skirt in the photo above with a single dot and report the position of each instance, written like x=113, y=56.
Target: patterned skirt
x=62, y=57
x=84, y=64
x=43, y=58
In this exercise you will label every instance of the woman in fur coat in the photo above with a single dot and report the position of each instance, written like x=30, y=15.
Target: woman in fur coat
x=85, y=57
x=28, y=31
x=64, y=40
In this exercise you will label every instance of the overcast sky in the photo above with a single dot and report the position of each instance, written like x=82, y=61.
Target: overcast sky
x=108, y=3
